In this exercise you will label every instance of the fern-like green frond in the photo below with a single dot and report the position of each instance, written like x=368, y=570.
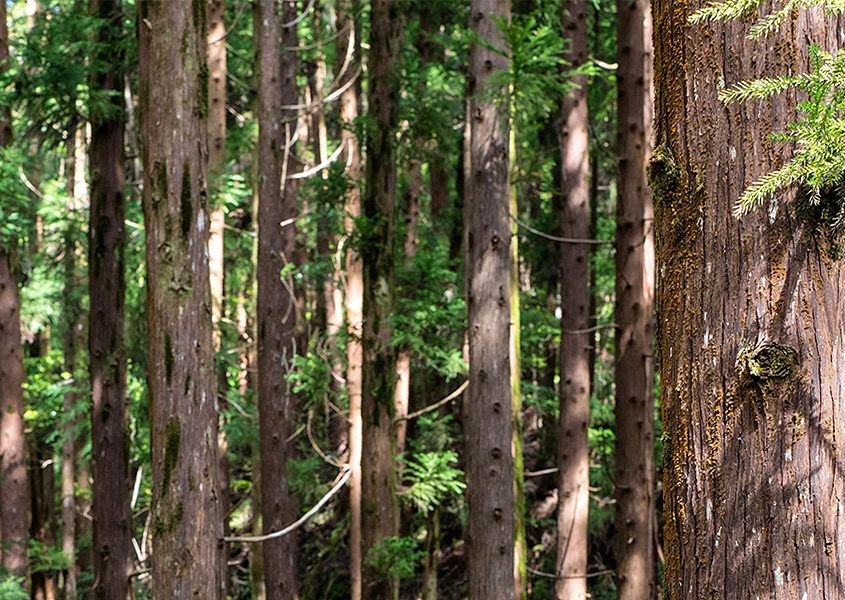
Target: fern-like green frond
x=729, y=9
x=754, y=195
x=757, y=88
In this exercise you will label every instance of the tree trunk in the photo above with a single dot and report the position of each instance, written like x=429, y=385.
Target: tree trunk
x=13, y=480
x=276, y=304
x=573, y=449
x=488, y=425
x=751, y=327
x=187, y=560
x=107, y=290
x=76, y=192
x=634, y=372
x=349, y=101
x=216, y=50
x=380, y=511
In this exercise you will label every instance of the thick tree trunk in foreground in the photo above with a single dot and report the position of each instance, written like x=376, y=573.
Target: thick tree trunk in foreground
x=107, y=368
x=13, y=483
x=276, y=310
x=634, y=537
x=751, y=326
x=379, y=508
x=487, y=419
x=573, y=448
x=348, y=42
x=186, y=513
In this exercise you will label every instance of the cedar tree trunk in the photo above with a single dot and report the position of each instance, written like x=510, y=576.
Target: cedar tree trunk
x=487, y=419
x=187, y=558
x=276, y=304
x=379, y=507
x=573, y=448
x=751, y=321
x=634, y=534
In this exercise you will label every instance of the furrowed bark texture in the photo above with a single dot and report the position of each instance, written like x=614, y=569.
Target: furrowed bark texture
x=347, y=42
x=487, y=419
x=13, y=480
x=379, y=508
x=106, y=343
x=573, y=448
x=276, y=303
x=634, y=371
x=187, y=559
x=751, y=327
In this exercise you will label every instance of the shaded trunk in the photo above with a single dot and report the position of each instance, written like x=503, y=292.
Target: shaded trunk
x=216, y=50
x=634, y=534
x=488, y=426
x=380, y=511
x=76, y=191
x=187, y=559
x=42, y=481
x=13, y=479
x=573, y=449
x=751, y=324
x=348, y=42
x=107, y=367
x=276, y=304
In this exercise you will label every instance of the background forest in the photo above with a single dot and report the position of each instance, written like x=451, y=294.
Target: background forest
x=383, y=230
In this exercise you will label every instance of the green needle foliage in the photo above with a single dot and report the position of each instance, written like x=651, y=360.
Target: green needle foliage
x=819, y=160
x=432, y=478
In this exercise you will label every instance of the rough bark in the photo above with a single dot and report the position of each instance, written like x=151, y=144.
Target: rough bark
x=573, y=449
x=751, y=328
x=347, y=41
x=276, y=303
x=187, y=558
x=634, y=372
x=13, y=480
x=487, y=420
x=380, y=511
x=107, y=366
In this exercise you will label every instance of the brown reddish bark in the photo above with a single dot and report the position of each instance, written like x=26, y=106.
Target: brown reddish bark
x=13, y=479
x=751, y=324
x=276, y=303
x=380, y=511
x=349, y=101
x=488, y=427
x=573, y=449
x=634, y=372
x=187, y=558
x=107, y=288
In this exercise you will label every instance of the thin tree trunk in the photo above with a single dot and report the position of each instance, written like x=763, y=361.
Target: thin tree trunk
x=349, y=101
x=488, y=425
x=573, y=449
x=109, y=413
x=380, y=514
x=76, y=192
x=13, y=479
x=519, y=549
x=216, y=49
x=276, y=303
x=187, y=559
x=634, y=536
